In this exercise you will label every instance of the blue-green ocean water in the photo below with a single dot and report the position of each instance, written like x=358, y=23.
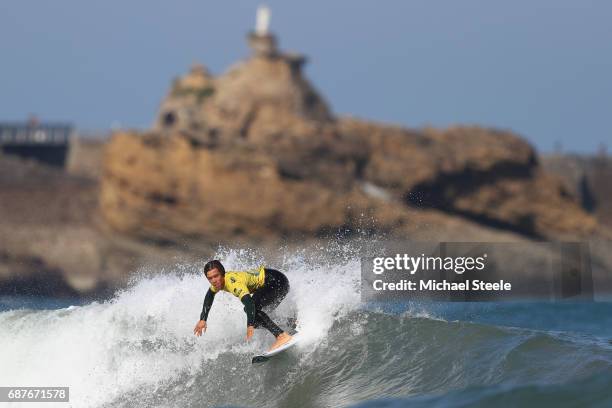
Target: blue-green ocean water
x=137, y=349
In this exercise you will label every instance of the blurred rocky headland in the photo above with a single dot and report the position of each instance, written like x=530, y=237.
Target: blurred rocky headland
x=256, y=157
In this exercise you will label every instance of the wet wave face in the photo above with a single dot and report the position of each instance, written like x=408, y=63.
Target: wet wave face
x=138, y=348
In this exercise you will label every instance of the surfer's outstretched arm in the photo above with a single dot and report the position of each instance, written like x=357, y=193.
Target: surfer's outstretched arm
x=208, y=301
x=249, y=308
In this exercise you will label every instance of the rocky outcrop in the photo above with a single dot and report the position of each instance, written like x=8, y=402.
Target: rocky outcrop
x=588, y=178
x=44, y=242
x=312, y=181
x=489, y=176
x=223, y=110
x=164, y=186
x=259, y=154
x=85, y=156
x=53, y=242
x=27, y=275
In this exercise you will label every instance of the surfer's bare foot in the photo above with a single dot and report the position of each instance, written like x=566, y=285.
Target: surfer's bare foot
x=282, y=338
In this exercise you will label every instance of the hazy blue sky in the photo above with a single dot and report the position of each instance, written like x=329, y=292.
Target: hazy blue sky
x=539, y=67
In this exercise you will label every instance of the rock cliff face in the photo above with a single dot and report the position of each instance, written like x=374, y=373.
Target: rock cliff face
x=256, y=153
x=53, y=242
x=43, y=242
x=587, y=178
x=489, y=176
x=223, y=110
x=162, y=187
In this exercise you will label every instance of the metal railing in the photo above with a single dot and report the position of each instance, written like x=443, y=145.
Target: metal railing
x=12, y=135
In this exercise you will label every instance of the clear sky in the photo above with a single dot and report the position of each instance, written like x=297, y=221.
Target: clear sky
x=542, y=68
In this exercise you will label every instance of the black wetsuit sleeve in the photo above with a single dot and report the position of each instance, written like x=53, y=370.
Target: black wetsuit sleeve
x=249, y=308
x=208, y=301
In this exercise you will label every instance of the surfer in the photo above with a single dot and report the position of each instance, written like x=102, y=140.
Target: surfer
x=256, y=289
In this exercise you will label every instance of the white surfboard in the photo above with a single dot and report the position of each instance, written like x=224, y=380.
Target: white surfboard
x=268, y=354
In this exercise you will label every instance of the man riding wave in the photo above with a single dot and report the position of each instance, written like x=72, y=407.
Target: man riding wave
x=256, y=289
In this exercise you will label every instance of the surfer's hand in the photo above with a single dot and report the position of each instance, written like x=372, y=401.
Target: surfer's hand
x=250, y=330
x=200, y=326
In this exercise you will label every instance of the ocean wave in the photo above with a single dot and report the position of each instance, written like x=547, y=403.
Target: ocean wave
x=138, y=349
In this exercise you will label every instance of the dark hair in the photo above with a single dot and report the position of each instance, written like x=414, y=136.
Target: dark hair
x=214, y=264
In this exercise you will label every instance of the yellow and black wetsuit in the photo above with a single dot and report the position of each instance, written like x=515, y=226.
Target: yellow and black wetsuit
x=256, y=289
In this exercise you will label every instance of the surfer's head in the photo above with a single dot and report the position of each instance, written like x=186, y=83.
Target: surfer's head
x=215, y=273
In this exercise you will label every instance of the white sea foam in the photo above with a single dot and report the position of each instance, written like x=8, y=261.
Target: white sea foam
x=143, y=336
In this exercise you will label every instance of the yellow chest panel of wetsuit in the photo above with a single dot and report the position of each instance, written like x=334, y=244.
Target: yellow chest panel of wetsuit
x=240, y=283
